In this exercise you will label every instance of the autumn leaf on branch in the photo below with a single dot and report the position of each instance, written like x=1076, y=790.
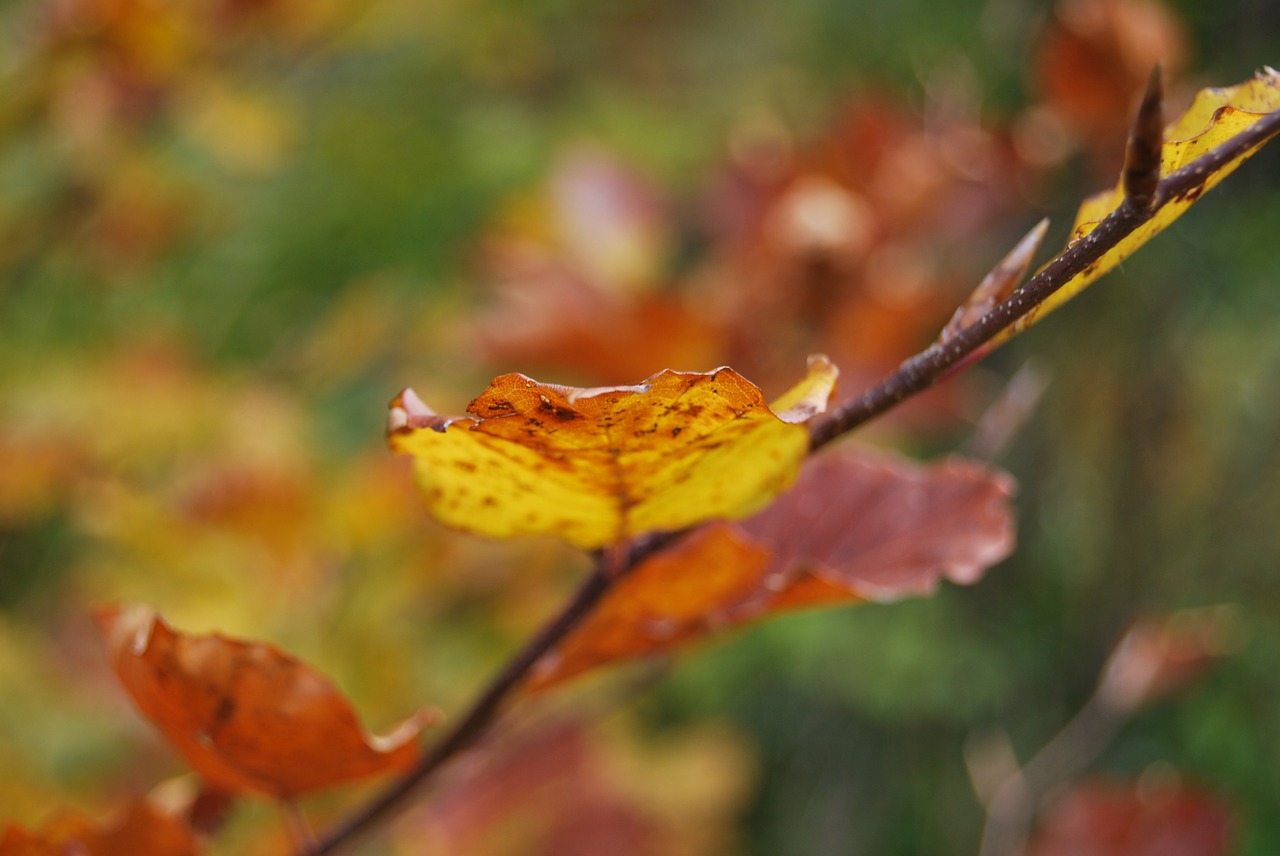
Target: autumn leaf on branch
x=246, y=716
x=856, y=526
x=141, y=830
x=1216, y=117
x=1160, y=181
x=597, y=466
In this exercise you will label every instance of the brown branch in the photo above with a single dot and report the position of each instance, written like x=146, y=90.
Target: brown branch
x=931, y=365
x=1141, y=175
x=481, y=714
x=914, y=376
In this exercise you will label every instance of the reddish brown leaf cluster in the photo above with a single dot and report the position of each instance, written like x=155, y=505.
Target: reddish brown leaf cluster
x=843, y=246
x=856, y=526
x=835, y=245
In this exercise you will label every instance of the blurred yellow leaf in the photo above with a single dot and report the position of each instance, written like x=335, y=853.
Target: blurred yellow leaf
x=595, y=466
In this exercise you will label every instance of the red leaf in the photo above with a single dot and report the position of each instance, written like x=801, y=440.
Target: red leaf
x=883, y=527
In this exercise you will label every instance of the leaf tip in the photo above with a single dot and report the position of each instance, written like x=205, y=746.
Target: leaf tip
x=811, y=395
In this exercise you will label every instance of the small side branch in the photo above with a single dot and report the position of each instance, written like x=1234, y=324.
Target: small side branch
x=1141, y=176
x=931, y=365
x=478, y=718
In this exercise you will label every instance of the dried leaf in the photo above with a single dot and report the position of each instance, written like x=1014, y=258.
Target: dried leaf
x=246, y=716
x=856, y=526
x=596, y=466
x=883, y=528
x=997, y=285
x=142, y=830
x=1216, y=116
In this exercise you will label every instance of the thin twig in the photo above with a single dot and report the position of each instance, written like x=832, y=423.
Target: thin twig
x=925, y=369
x=478, y=718
x=912, y=377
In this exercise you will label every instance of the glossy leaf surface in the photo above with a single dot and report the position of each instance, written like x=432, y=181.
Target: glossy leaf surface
x=596, y=466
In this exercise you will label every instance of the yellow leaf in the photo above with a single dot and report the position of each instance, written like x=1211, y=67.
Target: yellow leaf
x=596, y=466
x=1216, y=116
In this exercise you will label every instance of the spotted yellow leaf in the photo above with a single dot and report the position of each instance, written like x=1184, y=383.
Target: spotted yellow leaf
x=596, y=466
x=1215, y=117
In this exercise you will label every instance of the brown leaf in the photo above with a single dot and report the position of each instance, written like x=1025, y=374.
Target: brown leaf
x=883, y=527
x=142, y=830
x=246, y=716
x=856, y=526
x=998, y=284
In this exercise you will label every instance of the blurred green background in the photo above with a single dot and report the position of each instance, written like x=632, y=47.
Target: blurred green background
x=231, y=230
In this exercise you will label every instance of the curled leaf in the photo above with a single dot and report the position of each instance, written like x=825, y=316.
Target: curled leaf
x=596, y=466
x=246, y=716
x=856, y=526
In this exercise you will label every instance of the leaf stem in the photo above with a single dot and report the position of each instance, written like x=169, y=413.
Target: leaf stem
x=912, y=377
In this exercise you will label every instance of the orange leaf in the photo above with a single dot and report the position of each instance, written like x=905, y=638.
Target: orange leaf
x=668, y=600
x=596, y=466
x=245, y=715
x=856, y=526
x=143, y=830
